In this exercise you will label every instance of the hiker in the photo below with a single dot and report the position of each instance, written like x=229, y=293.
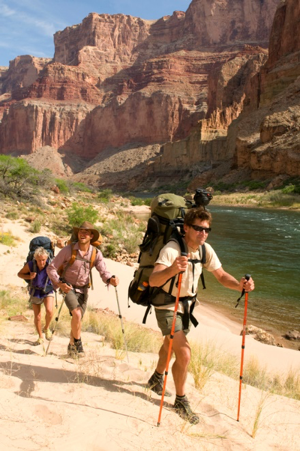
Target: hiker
x=41, y=291
x=75, y=277
x=170, y=263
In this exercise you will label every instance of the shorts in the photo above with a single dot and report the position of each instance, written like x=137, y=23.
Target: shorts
x=38, y=301
x=74, y=300
x=165, y=320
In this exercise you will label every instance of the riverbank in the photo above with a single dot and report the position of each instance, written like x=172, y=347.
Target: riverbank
x=274, y=199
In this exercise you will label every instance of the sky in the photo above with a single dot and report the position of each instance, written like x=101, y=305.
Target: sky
x=27, y=26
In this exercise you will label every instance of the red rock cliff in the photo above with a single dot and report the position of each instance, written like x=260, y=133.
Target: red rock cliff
x=120, y=80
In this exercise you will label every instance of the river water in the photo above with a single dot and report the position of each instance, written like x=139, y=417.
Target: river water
x=265, y=244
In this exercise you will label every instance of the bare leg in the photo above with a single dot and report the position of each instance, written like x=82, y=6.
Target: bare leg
x=48, y=302
x=37, y=318
x=75, y=325
x=182, y=351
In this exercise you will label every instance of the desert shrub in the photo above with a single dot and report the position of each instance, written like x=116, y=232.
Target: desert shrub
x=289, y=189
x=17, y=178
x=105, y=195
x=136, y=201
x=81, y=187
x=12, y=215
x=36, y=226
x=78, y=214
x=7, y=239
x=62, y=185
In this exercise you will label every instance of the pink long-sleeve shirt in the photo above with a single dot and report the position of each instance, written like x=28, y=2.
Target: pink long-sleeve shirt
x=78, y=273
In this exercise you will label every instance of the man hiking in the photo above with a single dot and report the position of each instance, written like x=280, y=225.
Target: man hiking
x=41, y=291
x=75, y=277
x=169, y=264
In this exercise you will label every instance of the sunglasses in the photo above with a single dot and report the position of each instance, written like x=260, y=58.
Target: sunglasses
x=201, y=229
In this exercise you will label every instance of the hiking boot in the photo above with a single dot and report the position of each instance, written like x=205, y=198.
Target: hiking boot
x=38, y=342
x=75, y=349
x=156, y=384
x=72, y=351
x=183, y=408
x=78, y=346
x=48, y=334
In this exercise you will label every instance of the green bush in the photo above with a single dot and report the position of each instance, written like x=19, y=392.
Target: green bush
x=81, y=187
x=77, y=215
x=12, y=215
x=62, y=185
x=17, y=178
x=136, y=201
x=289, y=189
x=105, y=195
x=36, y=226
x=7, y=239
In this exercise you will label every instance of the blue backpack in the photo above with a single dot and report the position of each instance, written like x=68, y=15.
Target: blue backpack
x=46, y=243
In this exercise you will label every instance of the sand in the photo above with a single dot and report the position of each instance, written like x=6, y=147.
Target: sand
x=100, y=402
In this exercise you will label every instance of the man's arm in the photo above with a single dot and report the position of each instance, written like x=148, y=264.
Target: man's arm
x=161, y=273
x=229, y=281
x=52, y=268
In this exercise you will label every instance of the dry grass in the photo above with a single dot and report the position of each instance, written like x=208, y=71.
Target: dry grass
x=207, y=359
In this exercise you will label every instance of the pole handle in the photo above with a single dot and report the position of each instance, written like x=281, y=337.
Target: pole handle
x=247, y=277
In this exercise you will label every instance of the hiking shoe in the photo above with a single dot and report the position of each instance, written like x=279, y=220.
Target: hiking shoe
x=156, y=384
x=75, y=349
x=38, y=342
x=78, y=346
x=183, y=408
x=48, y=334
x=72, y=350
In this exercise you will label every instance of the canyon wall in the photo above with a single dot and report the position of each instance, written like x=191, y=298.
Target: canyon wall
x=118, y=83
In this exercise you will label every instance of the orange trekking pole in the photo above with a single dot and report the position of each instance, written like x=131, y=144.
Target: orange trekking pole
x=170, y=346
x=247, y=277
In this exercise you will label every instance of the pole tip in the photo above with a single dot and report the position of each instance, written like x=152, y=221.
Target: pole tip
x=158, y=424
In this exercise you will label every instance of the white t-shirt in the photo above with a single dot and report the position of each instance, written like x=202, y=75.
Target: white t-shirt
x=190, y=278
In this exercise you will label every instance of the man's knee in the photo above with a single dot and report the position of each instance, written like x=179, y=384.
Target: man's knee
x=77, y=314
x=182, y=349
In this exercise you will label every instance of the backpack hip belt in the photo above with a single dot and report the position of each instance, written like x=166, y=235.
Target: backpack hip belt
x=164, y=298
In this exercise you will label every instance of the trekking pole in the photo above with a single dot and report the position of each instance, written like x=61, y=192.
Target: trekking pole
x=120, y=316
x=247, y=277
x=56, y=321
x=170, y=345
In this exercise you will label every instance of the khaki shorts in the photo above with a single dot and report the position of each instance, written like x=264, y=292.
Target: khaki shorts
x=165, y=320
x=74, y=300
x=38, y=301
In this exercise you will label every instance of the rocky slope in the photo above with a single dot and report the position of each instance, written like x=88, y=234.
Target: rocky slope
x=122, y=89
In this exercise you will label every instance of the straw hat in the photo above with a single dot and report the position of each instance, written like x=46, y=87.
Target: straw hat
x=87, y=226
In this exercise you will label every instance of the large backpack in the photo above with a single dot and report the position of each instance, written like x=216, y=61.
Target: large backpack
x=46, y=243
x=164, y=224
x=40, y=241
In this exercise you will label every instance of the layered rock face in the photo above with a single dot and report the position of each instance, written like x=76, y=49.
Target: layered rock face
x=120, y=82
x=266, y=137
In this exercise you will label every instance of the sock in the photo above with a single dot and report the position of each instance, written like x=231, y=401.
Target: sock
x=180, y=398
x=77, y=340
x=157, y=374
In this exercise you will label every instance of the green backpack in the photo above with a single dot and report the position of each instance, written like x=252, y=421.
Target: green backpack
x=165, y=224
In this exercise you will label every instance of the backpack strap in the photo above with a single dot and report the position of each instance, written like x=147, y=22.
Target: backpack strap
x=201, y=260
x=74, y=257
